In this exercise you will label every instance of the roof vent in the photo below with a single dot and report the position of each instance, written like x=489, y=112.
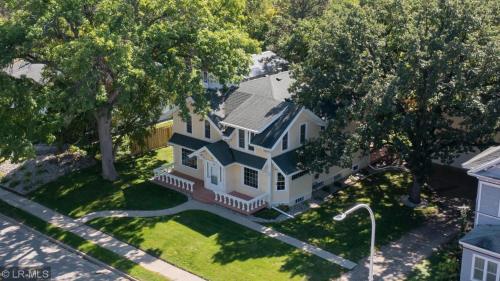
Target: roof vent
x=278, y=79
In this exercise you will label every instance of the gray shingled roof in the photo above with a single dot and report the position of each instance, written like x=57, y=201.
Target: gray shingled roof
x=287, y=162
x=272, y=134
x=255, y=113
x=484, y=157
x=485, y=237
x=226, y=155
x=187, y=141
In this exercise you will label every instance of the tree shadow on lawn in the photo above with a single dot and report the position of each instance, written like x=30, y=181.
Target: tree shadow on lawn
x=351, y=238
x=85, y=191
x=235, y=243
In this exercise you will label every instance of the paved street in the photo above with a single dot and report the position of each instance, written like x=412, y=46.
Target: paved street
x=21, y=247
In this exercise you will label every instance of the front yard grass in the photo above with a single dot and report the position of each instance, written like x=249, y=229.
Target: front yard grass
x=350, y=238
x=80, y=244
x=85, y=191
x=217, y=249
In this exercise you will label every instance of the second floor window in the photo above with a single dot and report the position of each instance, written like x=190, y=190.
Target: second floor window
x=284, y=142
x=189, y=125
x=250, y=137
x=207, y=129
x=241, y=138
x=303, y=134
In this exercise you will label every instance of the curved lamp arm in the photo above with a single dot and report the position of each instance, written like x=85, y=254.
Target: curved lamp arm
x=343, y=215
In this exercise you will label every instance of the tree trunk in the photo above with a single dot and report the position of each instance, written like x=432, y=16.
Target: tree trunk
x=414, y=190
x=103, y=117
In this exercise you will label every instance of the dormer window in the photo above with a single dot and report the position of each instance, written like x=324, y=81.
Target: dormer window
x=241, y=138
x=189, y=125
x=284, y=142
x=207, y=129
x=303, y=135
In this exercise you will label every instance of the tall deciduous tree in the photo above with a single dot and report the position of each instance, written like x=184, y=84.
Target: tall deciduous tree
x=419, y=77
x=131, y=57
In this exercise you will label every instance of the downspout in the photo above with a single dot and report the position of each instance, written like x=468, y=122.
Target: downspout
x=270, y=177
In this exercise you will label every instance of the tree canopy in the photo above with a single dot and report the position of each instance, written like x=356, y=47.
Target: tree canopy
x=112, y=58
x=418, y=77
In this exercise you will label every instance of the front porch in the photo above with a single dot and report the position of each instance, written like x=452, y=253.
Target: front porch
x=168, y=177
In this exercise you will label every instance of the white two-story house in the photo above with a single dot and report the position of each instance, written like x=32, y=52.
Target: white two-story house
x=481, y=246
x=243, y=154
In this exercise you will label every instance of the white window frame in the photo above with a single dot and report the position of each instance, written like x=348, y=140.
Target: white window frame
x=305, y=133
x=287, y=137
x=182, y=162
x=485, y=267
x=248, y=138
x=244, y=139
x=243, y=177
x=189, y=124
x=205, y=130
x=276, y=181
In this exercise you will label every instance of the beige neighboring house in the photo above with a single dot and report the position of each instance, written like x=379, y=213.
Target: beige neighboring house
x=243, y=154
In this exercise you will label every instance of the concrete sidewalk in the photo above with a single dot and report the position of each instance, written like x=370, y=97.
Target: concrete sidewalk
x=76, y=227
x=397, y=259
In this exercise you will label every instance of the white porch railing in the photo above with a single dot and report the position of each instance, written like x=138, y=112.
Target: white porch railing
x=240, y=203
x=162, y=174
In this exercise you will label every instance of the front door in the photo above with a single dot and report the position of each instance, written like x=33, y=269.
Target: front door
x=213, y=175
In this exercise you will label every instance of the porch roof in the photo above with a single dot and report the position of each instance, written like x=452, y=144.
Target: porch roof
x=226, y=155
x=486, y=237
x=287, y=162
x=186, y=141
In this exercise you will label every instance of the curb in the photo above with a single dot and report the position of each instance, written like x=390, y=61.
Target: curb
x=70, y=249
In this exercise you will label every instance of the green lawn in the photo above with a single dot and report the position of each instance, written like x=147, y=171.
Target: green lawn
x=443, y=264
x=351, y=237
x=81, y=244
x=85, y=191
x=217, y=249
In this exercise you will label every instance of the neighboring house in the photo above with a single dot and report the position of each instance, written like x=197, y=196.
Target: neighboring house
x=243, y=154
x=481, y=246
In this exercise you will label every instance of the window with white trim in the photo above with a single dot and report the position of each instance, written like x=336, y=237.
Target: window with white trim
x=303, y=129
x=284, y=142
x=241, y=138
x=189, y=125
x=484, y=269
x=251, y=177
x=207, y=129
x=250, y=138
x=280, y=181
x=187, y=161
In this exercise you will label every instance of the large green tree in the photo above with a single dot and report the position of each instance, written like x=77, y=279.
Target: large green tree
x=127, y=58
x=419, y=77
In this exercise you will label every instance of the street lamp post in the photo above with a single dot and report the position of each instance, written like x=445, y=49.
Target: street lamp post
x=343, y=215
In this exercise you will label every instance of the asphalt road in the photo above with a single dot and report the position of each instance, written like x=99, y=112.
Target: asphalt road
x=21, y=247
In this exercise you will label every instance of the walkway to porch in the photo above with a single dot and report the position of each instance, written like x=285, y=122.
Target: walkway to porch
x=235, y=201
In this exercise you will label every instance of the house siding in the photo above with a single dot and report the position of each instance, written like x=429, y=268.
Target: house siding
x=196, y=173
x=198, y=124
x=234, y=181
x=312, y=131
x=467, y=266
x=488, y=205
x=300, y=187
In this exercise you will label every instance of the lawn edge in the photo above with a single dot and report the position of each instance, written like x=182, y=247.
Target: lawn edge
x=99, y=254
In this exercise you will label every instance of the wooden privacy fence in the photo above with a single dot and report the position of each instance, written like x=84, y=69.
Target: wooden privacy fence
x=159, y=137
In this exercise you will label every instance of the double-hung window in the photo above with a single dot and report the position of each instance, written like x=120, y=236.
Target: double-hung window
x=485, y=270
x=280, y=182
x=303, y=134
x=251, y=177
x=207, y=129
x=250, y=137
x=241, y=138
x=284, y=142
x=189, y=125
x=187, y=161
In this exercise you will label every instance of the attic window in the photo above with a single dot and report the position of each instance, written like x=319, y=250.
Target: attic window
x=207, y=129
x=189, y=125
x=241, y=138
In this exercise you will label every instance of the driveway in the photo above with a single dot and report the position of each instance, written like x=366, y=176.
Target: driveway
x=21, y=247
